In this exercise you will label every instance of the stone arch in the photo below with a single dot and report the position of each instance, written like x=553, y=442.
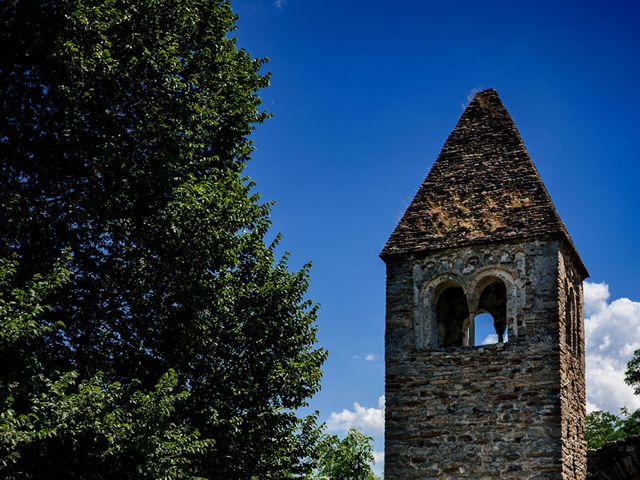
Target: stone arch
x=430, y=330
x=573, y=326
x=494, y=290
x=493, y=300
x=579, y=319
x=569, y=318
x=452, y=317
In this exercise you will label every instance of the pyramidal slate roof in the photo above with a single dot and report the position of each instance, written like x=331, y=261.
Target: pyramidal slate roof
x=482, y=188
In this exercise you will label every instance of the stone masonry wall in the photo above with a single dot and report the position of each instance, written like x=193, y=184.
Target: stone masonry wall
x=616, y=461
x=572, y=368
x=487, y=412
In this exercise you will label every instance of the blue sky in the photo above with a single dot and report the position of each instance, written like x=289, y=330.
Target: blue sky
x=363, y=96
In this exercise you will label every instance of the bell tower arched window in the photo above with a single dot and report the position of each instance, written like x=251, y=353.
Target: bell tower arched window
x=571, y=335
x=493, y=300
x=452, y=314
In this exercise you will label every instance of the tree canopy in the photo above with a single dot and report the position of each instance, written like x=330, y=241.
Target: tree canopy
x=112, y=431
x=349, y=458
x=632, y=374
x=602, y=426
x=124, y=131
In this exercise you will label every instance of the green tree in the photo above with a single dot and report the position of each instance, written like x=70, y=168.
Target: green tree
x=124, y=131
x=632, y=374
x=112, y=432
x=346, y=459
x=601, y=427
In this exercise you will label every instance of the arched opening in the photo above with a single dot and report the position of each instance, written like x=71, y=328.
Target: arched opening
x=578, y=323
x=452, y=312
x=493, y=305
x=568, y=320
x=485, y=331
x=572, y=320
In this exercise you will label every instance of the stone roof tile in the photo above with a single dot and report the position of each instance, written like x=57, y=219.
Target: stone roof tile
x=482, y=188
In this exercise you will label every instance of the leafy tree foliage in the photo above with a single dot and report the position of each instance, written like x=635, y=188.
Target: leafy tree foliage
x=124, y=131
x=602, y=427
x=113, y=432
x=632, y=375
x=346, y=459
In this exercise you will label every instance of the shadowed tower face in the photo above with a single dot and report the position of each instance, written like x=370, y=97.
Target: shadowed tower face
x=482, y=240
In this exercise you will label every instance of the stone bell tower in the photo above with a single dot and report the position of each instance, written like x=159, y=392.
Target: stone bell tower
x=483, y=236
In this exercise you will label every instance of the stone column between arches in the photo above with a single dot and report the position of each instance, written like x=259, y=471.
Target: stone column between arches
x=493, y=289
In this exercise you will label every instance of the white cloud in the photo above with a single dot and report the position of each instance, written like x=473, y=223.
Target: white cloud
x=369, y=420
x=378, y=456
x=279, y=3
x=612, y=335
x=489, y=339
x=493, y=338
x=595, y=297
x=369, y=357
